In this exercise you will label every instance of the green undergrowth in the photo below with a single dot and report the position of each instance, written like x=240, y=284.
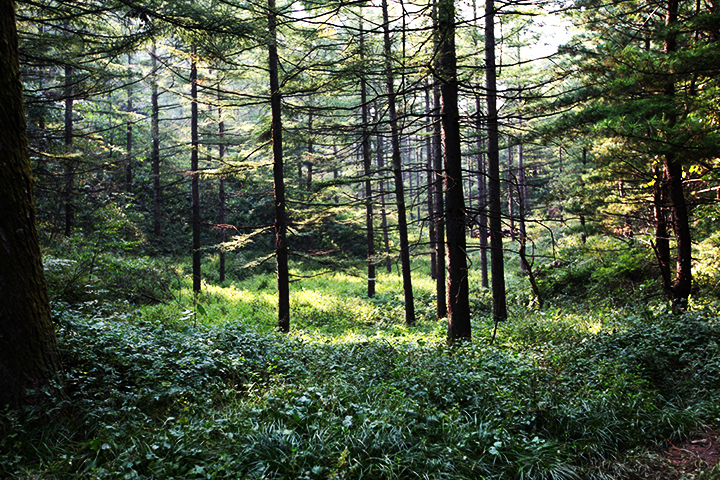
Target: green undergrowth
x=203, y=387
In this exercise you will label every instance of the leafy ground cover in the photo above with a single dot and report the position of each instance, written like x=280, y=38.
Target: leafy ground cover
x=187, y=387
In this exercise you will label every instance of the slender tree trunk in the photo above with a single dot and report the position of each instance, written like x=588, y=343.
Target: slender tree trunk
x=194, y=173
x=457, y=285
x=481, y=172
x=482, y=196
x=155, y=151
x=662, y=240
x=281, y=250
x=29, y=358
x=511, y=186
x=221, y=192
x=438, y=195
x=367, y=169
x=494, y=213
x=397, y=172
x=129, y=145
x=69, y=164
x=525, y=266
x=311, y=151
x=409, y=175
x=673, y=174
x=583, y=230
x=383, y=211
x=430, y=182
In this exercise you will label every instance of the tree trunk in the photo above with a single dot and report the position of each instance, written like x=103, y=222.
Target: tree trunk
x=383, y=211
x=482, y=197
x=481, y=173
x=430, y=181
x=155, y=151
x=438, y=196
x=583, y=232
x=511, y=187
x=397, y=173
x=497, y=265
x=662, y=241
x=195, y=180
x=29, y=358
x=69, y=164
x=367, y=169
x=221, y=192
x=129, y=145
x=311, y=150
x=281, y=250
x=673, y=175
x=458, y=305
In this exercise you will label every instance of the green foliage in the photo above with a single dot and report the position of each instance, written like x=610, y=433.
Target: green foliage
x=354, y=393
x=82, y=272
x=600, y=269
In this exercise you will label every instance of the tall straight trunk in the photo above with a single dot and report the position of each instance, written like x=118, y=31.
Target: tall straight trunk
x=482, y=195
x=662, y=241
x=311, y=150
x=155, y=151
x=523, y=204
x=481, y=171
x=430, y=182
x=367, y=169
x=409, y=175
x=221, y=192
x=682, y=285
x=129, y=145
x=194, y=174
x=583, y=232
x=69, y=164
x=497, y=265
x=511, y=188
x=281, y=250
x=383, y=210
x=438, y=196
x=458, y=304
x=29, y=358
x=397, y=173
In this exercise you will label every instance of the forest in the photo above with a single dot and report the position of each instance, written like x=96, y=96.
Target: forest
x=360, y=239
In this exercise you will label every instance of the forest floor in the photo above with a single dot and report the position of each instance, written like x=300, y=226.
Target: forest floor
x=692, y=456
x=596, y=385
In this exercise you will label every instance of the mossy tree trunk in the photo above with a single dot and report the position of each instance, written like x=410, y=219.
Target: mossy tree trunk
x=29, y=357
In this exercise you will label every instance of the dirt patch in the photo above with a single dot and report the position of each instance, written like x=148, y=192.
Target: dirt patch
x=697, y=454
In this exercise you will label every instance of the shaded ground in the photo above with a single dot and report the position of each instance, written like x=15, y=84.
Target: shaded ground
x=693, y=457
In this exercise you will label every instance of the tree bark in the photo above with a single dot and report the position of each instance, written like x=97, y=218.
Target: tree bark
x=673, y=174
x=195, y=180
x=458, y=305
x=583, y=232
x=367, y=169
x=281, y=250
x=69, y=164
x=482, y=197
x=397, y=173
x=155, y=151
x=430, y=180
x=497, y=265
x=129, y=144
x=383, y=211
x=438, y=195
x=221, y=192
x=662, y=241
x=29, y=358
